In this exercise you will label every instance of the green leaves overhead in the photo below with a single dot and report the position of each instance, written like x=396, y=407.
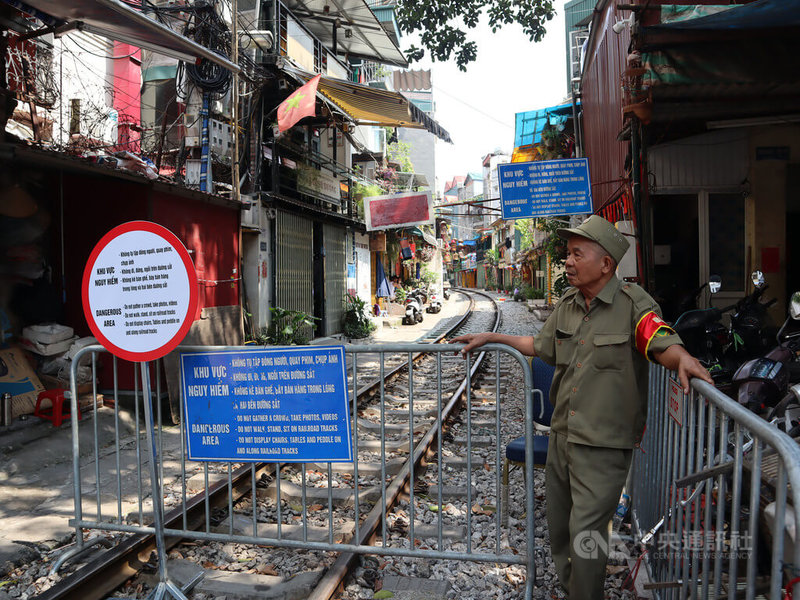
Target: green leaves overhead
x=443, y=24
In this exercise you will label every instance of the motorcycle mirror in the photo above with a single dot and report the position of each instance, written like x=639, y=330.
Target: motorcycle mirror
x=758, y=279
x=794, y=306
x=714, y=283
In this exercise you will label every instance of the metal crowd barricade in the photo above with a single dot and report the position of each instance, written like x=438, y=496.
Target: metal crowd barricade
x=709, y=496
x=113, y=494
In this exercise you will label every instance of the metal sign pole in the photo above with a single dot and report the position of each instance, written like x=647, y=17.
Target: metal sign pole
x=164, y=584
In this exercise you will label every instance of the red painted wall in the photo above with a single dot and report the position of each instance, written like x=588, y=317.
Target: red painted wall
x=127, y=95
x=211, y=234
x=94, y=204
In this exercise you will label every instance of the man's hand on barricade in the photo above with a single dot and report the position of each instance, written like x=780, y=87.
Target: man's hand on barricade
x=676, y=358
x=472, y=341
x=689, y=367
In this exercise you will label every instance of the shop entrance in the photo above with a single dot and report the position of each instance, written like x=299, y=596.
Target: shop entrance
x=696, y=235
x=792, y=227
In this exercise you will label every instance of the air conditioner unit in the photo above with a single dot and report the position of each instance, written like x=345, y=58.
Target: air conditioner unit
x=251, y=212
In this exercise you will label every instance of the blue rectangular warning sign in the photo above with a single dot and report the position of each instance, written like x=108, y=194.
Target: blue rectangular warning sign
x=545, y=188
x=267, y=405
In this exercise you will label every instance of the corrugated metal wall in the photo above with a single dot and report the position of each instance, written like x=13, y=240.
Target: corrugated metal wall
x=294, y=263
x=335, y=276
x=602, y=104
x=689, y=164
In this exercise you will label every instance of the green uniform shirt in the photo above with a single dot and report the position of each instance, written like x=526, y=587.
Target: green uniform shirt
x=599, y=390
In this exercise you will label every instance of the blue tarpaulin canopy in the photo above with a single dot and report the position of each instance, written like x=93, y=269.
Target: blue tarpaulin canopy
x=741, y=51
x=529, y=124
x=766, y=16
x=756, y=15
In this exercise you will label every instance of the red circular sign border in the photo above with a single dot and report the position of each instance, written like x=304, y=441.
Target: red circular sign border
x=178, y=246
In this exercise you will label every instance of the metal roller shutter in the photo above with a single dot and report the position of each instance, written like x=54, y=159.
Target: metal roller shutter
x=294, y=264
x=334, y=239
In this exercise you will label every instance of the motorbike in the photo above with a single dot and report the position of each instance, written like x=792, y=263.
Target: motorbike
x=723, y=349
x=763, y=382
x=703, y=334
x=435, y=303
x=752, y=332
x=413, y=308
x=446, y=290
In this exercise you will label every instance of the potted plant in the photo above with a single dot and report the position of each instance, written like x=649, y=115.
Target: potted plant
x=356, y=323
x=533, y=296
x=287, y=328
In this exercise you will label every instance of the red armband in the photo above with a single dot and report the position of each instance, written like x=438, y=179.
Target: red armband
x=650, y=326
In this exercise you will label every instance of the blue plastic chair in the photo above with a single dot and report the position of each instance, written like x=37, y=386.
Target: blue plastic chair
x=542, y=413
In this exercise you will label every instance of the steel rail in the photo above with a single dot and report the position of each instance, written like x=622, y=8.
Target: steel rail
x=112, y=568
x=106, y=573
x=370, y=389
x=333, y=580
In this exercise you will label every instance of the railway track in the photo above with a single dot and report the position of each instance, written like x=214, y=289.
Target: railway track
x=389, y=425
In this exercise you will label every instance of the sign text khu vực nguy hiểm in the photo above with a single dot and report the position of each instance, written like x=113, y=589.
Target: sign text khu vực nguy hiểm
x=545, y=188
x=267, y=405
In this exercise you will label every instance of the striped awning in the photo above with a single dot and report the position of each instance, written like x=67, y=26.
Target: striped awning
x=374, y=106
x=371, y=106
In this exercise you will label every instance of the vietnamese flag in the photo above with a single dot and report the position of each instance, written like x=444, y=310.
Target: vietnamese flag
x=302, y=103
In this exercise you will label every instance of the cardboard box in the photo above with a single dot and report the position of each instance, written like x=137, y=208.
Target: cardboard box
x=18, y=378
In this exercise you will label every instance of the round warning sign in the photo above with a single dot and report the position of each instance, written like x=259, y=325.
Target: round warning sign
x=139, y=291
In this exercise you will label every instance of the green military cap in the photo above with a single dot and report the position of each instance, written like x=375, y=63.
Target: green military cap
x=599, y=230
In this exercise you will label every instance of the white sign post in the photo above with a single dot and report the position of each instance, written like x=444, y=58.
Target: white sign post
x=140, y=298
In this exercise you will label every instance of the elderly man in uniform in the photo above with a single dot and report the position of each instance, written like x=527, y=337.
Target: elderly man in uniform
x=599, y=337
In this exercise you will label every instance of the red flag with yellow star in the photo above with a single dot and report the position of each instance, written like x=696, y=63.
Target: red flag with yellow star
x=300, y=104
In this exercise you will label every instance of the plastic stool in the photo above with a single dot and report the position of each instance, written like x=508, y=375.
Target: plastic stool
x=56, y=413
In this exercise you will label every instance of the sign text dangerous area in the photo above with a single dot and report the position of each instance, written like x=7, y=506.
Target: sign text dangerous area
x=287, y=405
x=140, y=291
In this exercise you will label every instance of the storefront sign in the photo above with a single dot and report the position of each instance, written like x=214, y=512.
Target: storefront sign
x=377, y=241
x=139, y=291
x=545, y=188
x=351, y=279
x=318, y=183
x=469, y=262
x=267, y=405
x=398, y=210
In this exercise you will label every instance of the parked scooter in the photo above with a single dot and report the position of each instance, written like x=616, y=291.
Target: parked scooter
x=446, y=290
x=413, y=308
x=763, y=382
x=752, y=332
x=435, y=303
x=704, y=336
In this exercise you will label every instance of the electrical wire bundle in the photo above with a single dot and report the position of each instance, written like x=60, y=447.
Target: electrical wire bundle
x=208, y=30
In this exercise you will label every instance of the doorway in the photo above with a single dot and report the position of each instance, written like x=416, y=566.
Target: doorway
x=792, y=227
x=696, y=235
x=319, y=280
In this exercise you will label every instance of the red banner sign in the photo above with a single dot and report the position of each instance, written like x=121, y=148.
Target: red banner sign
x=398, y=210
